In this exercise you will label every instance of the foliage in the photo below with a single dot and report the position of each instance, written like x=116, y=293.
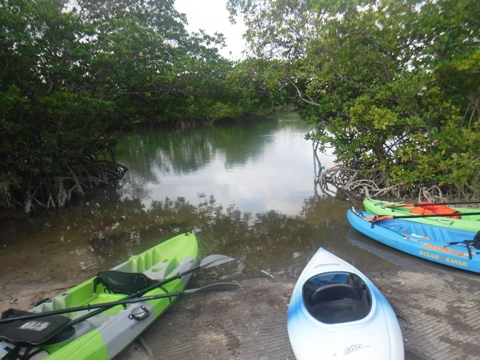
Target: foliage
x=392, y=85
x=75, y=73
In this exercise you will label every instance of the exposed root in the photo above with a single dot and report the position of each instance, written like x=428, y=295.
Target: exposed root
x=106, y=173
x=350, y=182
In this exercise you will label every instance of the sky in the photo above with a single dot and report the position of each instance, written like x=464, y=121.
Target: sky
x=212, y=16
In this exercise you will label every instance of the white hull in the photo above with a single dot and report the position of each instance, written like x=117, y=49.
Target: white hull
x=368, y=331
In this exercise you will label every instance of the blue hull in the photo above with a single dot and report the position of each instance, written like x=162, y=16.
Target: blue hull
x=424, y=241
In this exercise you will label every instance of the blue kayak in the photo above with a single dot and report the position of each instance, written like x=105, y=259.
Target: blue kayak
x=442, y=245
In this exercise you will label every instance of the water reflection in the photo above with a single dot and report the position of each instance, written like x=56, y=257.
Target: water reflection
x=246, y=191
x=256, y=167
x=77, y=244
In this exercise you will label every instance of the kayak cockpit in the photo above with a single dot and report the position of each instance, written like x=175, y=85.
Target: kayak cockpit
x=337, y=297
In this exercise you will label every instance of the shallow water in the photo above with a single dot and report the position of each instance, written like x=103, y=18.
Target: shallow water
x=246, y=190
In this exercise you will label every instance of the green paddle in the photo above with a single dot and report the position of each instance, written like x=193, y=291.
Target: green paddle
x=208, y=288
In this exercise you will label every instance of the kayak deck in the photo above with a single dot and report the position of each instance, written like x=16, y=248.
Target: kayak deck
x=104, y=333
x=463, y=222
x=443, y=245
x=83, y=293
x=336, y=310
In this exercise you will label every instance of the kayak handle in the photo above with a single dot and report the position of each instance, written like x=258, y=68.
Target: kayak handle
x=446, y=221
x=139, y=315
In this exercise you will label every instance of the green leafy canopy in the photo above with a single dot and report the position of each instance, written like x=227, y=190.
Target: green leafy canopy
x=392, y=85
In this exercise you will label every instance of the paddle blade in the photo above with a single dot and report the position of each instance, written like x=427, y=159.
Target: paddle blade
x=214, y=260
x=215, y=287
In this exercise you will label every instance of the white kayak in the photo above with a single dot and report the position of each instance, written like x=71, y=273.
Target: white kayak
x=336, y=312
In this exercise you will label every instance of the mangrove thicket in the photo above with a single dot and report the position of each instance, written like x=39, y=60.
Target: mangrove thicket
x=393, y=86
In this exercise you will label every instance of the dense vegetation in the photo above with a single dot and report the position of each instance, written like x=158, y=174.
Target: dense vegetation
x=75, y=73
x=393, y=86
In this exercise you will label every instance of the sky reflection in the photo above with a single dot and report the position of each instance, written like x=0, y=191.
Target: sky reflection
x=256, y=167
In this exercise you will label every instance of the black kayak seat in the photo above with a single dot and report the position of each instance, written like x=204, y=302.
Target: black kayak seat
x=32, y=331
x=25, y=334
x=129, y=282
x=119, y=282
x=334, y=292
x=339, y=303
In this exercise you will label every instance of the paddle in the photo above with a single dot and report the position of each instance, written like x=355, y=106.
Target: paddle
x=208, y=262
x=429, y=204
x=384, y=217
x=208, y=288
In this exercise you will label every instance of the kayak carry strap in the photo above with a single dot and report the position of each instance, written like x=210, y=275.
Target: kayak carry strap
x=14, y=353
x=119, y=282
x=475, y=243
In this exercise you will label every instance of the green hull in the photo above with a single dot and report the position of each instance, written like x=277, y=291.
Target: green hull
x=389, y=208
x=104, y=335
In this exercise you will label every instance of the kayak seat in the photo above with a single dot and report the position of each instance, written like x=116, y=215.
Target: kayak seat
x=334, y=292
x=47, y=329
x=120, y=282
x=339, y=303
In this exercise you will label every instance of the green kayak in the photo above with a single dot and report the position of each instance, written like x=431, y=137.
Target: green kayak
x=456, y=218
x=104, y=332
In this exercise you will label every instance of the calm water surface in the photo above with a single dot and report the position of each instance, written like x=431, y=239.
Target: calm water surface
x=254, y=167
x=246, y=190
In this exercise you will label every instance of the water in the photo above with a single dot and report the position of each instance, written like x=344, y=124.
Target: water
x=247, y=190
x=255, y=167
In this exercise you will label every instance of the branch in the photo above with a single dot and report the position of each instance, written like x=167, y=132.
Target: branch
x=309, y=100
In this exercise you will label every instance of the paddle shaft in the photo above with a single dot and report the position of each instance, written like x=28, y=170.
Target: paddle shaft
x=209, y=261
x=90, y=307
x=135, y=295
x=431, y=215
x=212, y=287
x=429, y=204
x=217, y=260
x=384, y=217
